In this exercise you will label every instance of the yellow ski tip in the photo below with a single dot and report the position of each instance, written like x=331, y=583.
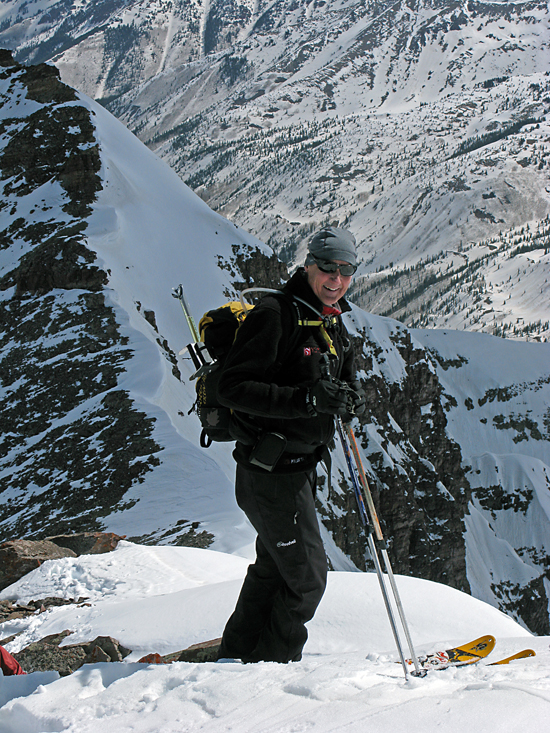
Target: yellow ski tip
x=520, y=655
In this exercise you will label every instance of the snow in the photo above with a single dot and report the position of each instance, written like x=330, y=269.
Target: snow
x=161, y=599
x=151, y=233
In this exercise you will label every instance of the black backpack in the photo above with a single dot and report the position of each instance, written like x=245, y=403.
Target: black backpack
x=217, y=331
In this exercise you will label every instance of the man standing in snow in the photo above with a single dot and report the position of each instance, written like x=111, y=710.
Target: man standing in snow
x=289, y=372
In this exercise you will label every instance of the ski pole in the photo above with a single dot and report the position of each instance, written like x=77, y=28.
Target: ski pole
x=372, y=547
x=381, y=543
x=346, y=433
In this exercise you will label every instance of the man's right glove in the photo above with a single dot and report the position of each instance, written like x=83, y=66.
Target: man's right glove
x=328, y=397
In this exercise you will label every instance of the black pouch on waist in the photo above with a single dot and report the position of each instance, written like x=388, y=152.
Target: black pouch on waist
x=267, y=451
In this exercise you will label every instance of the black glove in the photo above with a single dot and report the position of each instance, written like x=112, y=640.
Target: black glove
x=327, y=397
x=359, y=399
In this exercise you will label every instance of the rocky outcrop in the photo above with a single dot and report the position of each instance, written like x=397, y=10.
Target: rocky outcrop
x=47, y=654
x=56, y=142
x=427, y=518
x=62, y=350
x=251, y=268
x=10, y=610
x=19, y=557
x=88, y=543
x=206, y=651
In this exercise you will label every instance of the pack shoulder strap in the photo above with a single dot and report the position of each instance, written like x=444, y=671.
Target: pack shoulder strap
x=322, y=322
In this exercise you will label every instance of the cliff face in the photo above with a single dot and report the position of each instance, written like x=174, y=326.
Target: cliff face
x=415, y=472
x=425, y=503
x=63, y=417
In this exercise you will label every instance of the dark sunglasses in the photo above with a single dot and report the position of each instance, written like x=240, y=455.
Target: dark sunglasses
x=328, y=266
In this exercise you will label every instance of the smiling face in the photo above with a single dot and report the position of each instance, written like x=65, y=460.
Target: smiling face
x=329, y=287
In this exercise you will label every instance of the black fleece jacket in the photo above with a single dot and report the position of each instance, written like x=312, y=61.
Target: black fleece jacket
x=272, y=364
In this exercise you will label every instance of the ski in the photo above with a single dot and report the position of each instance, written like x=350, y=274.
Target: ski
x=523, y=654
x=179, y=294
x=458, y=656
x=200, y=357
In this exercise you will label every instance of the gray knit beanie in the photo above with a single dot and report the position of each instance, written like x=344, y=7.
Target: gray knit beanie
x=333, y=243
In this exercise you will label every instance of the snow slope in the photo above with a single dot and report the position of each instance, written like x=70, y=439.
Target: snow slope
x=163, y=599
x=151, y=233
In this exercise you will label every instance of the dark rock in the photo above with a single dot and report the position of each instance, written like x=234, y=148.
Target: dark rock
x=46, y=654
x=249, y=267
x=95, y=655
x=6, y=58
x=60, y=262
x=527, y=602
x=9, y=611
x=206, y=651
x=88, y=543
x=257, y=269
x=44, y=85
x=105, y=649
x=19, y=557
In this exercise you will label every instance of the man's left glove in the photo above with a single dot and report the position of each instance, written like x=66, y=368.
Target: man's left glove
x=356, y=401
x=358, y=398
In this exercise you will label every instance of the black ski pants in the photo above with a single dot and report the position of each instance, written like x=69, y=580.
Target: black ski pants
x=284, y=586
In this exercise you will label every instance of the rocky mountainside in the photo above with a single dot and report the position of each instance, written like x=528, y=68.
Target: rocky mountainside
x=75, y=438
x=95, y=231
x=420, y=124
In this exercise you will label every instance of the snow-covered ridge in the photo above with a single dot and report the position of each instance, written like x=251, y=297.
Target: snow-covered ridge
x=160, y=599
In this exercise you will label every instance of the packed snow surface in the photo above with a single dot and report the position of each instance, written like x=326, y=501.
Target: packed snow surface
x=161, y=599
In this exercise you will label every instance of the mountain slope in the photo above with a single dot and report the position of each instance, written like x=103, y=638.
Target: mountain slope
x=420, y=125
x=83, y=366
x=95, y=397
